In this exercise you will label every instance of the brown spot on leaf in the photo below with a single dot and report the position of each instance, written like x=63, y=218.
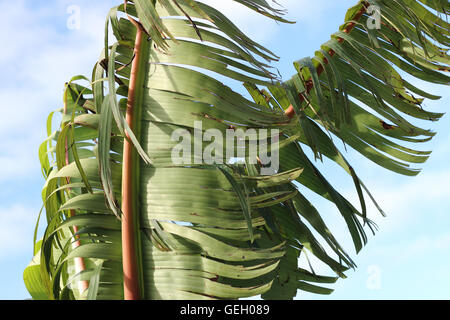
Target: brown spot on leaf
x=386, y=126
x=215, y=279
x=290, y=112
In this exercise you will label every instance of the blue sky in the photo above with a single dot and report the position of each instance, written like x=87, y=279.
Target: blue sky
x=407, y=259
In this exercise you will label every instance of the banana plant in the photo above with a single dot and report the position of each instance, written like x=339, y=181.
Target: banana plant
x=126, y=221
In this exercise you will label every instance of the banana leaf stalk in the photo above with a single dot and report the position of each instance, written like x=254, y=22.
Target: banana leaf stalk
x=129, y=239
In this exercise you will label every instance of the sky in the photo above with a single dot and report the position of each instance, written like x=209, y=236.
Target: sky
x=43, y=48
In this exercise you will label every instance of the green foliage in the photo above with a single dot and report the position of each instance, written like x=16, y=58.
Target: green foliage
x=225, y=232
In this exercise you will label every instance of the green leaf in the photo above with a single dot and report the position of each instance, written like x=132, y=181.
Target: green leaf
x=33, y=280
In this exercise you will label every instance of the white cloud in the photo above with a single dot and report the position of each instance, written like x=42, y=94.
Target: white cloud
x=409, y=202
x=41, y=55
x=16, y=230
x=426, y=244
x=400, y=251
